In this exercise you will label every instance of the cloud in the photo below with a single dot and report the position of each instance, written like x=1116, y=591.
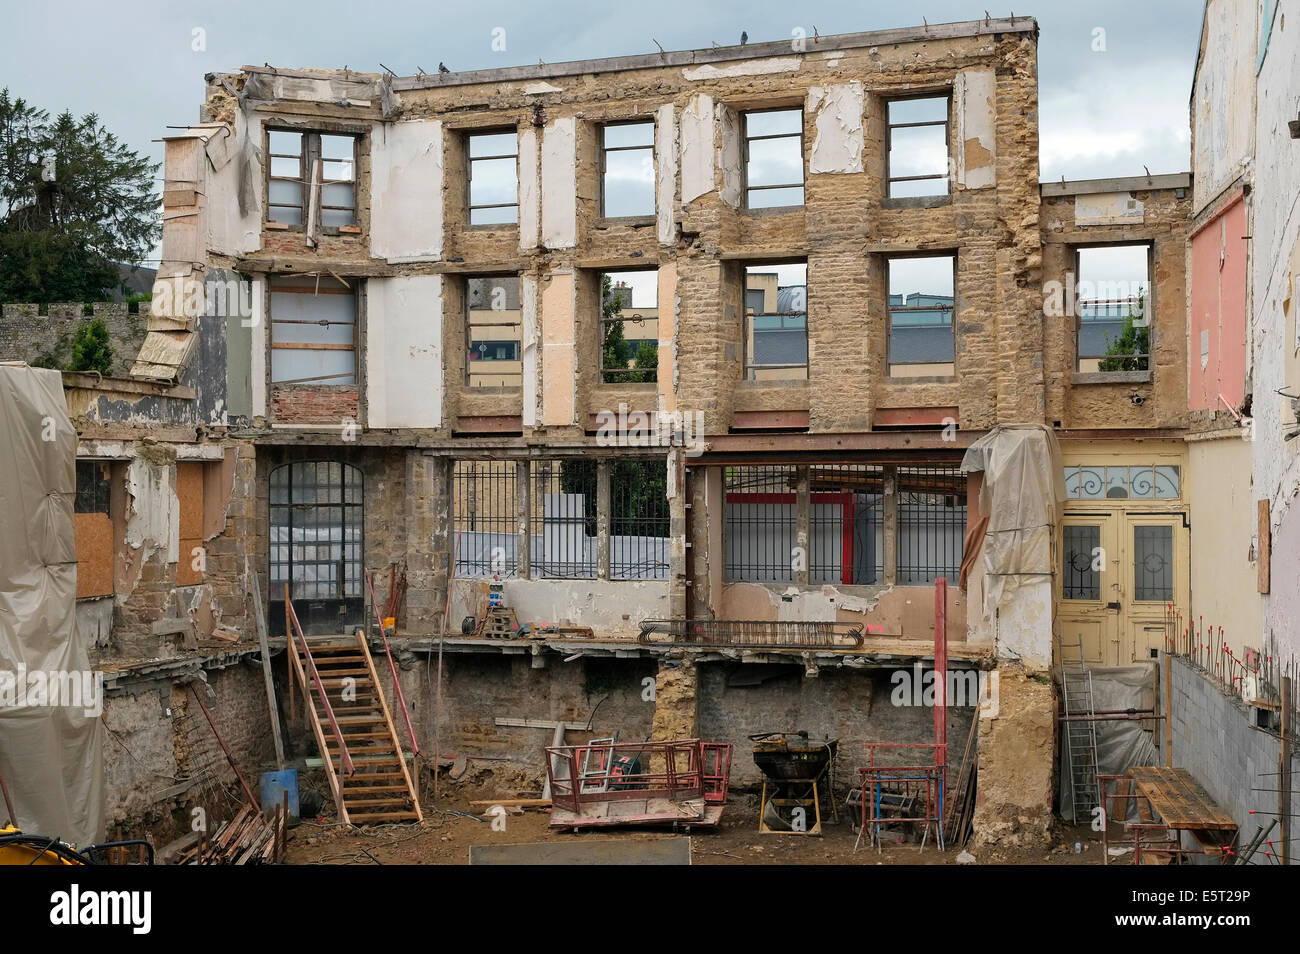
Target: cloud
x=1105, y=123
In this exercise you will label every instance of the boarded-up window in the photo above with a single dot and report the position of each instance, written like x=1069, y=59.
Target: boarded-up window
x=93, y=529
x=189, y=491
x=313, y=331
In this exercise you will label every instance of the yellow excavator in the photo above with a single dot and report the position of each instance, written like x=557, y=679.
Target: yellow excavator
x=17, y=848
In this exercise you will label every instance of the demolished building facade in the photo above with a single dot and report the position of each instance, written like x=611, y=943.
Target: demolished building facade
x=397, y=356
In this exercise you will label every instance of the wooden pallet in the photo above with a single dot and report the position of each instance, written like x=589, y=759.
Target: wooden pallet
x=380, y=788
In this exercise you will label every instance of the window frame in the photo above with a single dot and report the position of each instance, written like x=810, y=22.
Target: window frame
x=355, y=290
x=604, y=381
x=746, y=139
x=889, y=313
x=310, y=151
x=947, y=124
x=469, y=333
x=654, y=156
x=746, y=329
x=470, y=135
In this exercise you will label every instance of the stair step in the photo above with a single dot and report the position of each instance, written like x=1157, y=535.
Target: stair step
x=350, y=790
x=403, y=801
x=381, y=816
x=375, y=776
x=358, y=720
x=327, y=682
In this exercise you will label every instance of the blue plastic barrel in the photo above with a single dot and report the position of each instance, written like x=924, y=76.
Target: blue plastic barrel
x=274, y=785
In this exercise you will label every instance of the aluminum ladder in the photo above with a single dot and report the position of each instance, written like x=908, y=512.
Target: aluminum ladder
x=1080, y=733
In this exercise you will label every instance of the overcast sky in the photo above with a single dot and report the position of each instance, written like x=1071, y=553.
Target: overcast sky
x=1103, y=112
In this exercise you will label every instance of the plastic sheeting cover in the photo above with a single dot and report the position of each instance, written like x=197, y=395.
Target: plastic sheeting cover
x=1023, y=496
x=51, y=754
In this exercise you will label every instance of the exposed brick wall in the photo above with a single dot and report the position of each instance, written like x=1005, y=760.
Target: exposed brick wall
x=303, y=405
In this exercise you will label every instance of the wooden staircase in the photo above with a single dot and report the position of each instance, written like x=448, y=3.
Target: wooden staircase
x=368, y=775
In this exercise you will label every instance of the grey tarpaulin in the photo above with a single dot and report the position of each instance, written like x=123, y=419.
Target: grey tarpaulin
x=51, y=755
x=1120, y=744
x=1023, y=495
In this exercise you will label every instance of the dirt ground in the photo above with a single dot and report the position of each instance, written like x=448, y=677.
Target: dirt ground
x=445, y=838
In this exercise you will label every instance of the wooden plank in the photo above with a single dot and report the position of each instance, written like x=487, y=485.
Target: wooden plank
x=1264, y=547
x=388, y=721
x=1179, y=799
x=254, y=583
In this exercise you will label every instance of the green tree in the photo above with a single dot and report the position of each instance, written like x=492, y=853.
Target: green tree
x=614, y=349
x=1131, y=349
x=91, y=350
x=74, y=202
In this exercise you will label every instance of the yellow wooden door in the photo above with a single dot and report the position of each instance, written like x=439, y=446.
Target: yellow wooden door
x=1154, y=581
x=1090, y=570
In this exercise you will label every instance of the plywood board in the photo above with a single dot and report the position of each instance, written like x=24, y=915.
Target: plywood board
x=94, y=539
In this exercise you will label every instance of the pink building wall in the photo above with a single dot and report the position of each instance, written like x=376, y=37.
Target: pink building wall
x=1217, y=345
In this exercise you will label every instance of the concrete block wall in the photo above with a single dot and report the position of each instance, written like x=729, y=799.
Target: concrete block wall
x=1215, y=741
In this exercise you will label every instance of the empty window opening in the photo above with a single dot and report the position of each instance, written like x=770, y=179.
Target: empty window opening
x=562, y=523
x=773, y=142
x=309, y=169
x=494, y=178
x=627, y=170
x=629, y=326
x=931, y=523
x=1112, y=308
x=921, y=341
x=638, y=513
x=485, y=497
x=494, y=332
x=776, y=322
x=313, y=331
x=918, y=146
x=316, y=531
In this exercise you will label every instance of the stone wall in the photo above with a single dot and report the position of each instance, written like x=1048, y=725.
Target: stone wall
x=44, y=333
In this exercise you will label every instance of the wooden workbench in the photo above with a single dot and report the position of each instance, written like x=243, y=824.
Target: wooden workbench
x=1183, y=805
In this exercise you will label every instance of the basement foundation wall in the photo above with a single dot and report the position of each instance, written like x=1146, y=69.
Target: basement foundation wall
x=1215, y=741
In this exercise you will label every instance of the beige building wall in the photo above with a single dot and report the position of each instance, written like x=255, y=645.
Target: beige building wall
x=1223, y=515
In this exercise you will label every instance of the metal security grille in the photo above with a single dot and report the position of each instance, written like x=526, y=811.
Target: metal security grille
x=1153, y=564
x=484, y=504
x=759, y=524
x=316, y=537
x=1081, y=581
x=931, y=523
x=562, y=524
x=845, y=510
x=638, y=520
